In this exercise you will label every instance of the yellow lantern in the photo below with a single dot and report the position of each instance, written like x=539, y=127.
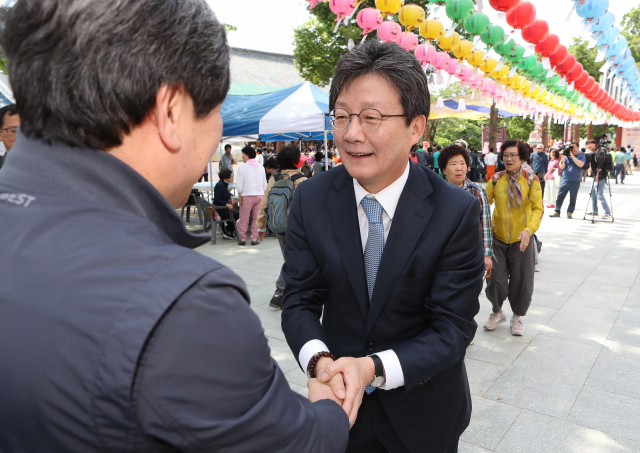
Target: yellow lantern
x=488, y=65
x=389, y=7
x=449, y=43
x=431, y=29
x=513, y=82
x=463, y=49
x=411, y=16
x=525, y=88
x=501, y=75
x=475, y=58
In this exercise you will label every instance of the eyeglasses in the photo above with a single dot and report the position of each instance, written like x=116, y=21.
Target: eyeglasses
x=510, y=156
x=10, y=130
x=370, y=119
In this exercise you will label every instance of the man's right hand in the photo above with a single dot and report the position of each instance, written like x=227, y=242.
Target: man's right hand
x=319, y=391
x=336, y=383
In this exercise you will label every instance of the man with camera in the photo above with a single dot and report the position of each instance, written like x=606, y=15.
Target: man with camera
x=601, y=165
x=571, y=165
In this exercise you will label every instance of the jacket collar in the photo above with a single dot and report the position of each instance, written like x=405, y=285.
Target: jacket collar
x=95, y=176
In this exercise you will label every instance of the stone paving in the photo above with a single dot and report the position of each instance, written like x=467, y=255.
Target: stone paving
x=572, y=382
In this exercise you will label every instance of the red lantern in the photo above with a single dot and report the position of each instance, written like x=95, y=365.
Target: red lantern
x=585, y=83
x=559, y=55
x=548, y=46
x=536, y=32
x=521, y=15
x=599, y=96
x=567, y=65
x=575, y=73
x=503, y=5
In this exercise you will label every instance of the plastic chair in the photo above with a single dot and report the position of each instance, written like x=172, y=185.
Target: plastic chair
x=209, y=222
x=192, y=202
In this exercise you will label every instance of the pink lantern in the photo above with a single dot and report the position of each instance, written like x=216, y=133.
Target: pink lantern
x=488, y=87
x=343, y=8
x=389, y=31
x=477, y=81
x=425, y=53
x=440, y=60
x=452, y=66
x=408, y=41
x=314, y=3
x=369, y=19
x=465, y=75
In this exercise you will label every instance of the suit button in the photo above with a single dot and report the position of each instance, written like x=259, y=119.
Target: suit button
x=370, y=346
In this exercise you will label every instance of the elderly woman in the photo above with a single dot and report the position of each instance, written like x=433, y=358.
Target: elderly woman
x=516, y=217
x=454, y=161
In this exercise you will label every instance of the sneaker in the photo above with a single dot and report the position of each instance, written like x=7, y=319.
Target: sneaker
x=539, y=245
x=276, y=301
x=226, y=236
x=555, y=214
x=537, y=268
x=606, y=217
x=592, y=214
x=242, y=243
x=569, y=215
x=494, y=320
x=255, y=242
x=516, y=327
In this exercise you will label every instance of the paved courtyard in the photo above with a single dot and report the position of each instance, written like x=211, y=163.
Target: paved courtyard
x=572, y=382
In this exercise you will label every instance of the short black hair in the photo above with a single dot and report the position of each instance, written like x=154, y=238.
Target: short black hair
x=400, y=68
x=249, y=151
x=430, y=149
x=86, y=72
x=288, y=157
x=271, y=163
x=225, y=173
x=319, y=156
x=592, y=141
x=451, y=151
x=491, y=150
x=439, y=148
x=523, y=150
x=10, y=109
x=330, y=154
x=227, y=146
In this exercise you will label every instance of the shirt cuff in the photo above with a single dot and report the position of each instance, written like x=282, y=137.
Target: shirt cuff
x=488, y=252
x=262, y=230
x=392, y=370
x=311, y=348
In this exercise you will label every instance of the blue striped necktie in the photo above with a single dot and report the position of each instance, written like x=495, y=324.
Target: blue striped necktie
x=373, y=249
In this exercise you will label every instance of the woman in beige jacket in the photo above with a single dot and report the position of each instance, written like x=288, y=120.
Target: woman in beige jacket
x=289, y=160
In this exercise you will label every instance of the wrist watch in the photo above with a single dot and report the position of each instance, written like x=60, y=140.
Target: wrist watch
x=379, y=378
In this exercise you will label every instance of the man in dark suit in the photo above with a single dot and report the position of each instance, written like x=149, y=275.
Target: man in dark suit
x=391, y=257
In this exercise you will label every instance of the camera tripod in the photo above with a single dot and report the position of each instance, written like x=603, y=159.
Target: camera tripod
x=590, y=203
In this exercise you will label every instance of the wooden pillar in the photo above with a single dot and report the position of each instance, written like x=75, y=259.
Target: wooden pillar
x=590, y=131
x=545, y=131
x=619, y=137
x=576, y=133
x=493, y=127
x=426, y=134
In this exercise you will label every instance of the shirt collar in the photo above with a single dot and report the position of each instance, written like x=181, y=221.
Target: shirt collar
x=465, y=184
x=387, y=197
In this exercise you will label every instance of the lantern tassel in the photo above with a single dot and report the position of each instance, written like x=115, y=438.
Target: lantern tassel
x=451, y=30
x=533, y=86
x=546, y=64
x=592, y=44
x=502, y=16
x=513, y=71
x=439, y=79
x=500, y=64
x=335, y=30
x=460, y=66
x=571, y=12
x=480, y=6
x=473, y=95
x=364, y=38
x=600, y=57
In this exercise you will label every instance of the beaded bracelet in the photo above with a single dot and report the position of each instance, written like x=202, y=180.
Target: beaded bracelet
x=311, y=368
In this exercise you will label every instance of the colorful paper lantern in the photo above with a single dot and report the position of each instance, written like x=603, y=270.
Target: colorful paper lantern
x=505, y=48
x=440, y=60
x=389, y=31
x=503, y=5
x=458, y=10
x=488, y=65
x=522, y=15
x=369, y=19
x=548, y=46
x=493, y=36
x=425, y=53
x=537, y=71
x=476, y=24
x=575, y=73
x=559, y=55
x=389, y=7
x=536, y=32
x=431, y=29
x=463, y=49
x=411, y=16
x=475, y=58
x=517, y=55
x=452, y=66
x=567, y=65
x=342, y=8
x=448, y=43
x=602, y=24
x=408, y=41
x=591, y=9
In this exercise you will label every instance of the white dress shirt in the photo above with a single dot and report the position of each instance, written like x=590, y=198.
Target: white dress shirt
x=490, y=159
x=388, y=198
x=251, y=180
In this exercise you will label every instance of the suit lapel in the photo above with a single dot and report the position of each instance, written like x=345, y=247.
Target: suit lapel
x=344, y=221
x=409, y=222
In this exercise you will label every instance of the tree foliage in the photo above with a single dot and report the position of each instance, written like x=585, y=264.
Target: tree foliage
x=586, y=57
x=631, y=30
x=229, y=27
x=317, y=48
x=519, y=127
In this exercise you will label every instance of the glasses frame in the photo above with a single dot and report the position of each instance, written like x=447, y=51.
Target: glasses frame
x=382, y=118
x=10, y=127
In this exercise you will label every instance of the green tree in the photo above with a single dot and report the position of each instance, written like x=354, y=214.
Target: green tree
x=229, y=27
x=586, y=57
x=631, y=30
x=317, y=48
x=519, y=127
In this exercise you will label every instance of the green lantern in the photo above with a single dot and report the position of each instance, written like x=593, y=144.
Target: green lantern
x=477, y=23
x=553, y=81
x=493, y=36
x=517, y=55
x=505, y=48
x=458, y=10
x=537, y=70
x=542, y=77
x=527, y=64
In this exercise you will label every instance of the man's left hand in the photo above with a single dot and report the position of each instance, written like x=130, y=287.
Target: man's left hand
x=524, y=238
x=357, y=374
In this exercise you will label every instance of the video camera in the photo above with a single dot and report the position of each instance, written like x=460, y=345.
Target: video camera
x=566, y=151
x=604, y=143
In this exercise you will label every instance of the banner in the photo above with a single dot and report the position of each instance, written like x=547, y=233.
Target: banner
x=631, y=139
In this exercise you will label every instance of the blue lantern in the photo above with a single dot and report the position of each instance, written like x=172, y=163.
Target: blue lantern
x=608, y=37
x=592, y=9
x=603, y=23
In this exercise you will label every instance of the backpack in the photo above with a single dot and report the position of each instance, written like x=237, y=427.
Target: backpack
x=279, y=202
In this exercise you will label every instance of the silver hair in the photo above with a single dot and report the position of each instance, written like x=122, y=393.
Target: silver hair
x=85, y=72
x=396, y=65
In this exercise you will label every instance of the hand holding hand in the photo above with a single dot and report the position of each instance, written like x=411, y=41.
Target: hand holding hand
x=357, y=374
x=336, y=382
x=524, y=238
x=318, y=391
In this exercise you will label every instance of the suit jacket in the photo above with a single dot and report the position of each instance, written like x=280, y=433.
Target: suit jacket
x=423, y=304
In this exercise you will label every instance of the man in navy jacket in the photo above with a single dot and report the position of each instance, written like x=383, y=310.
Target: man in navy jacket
x=116, y=335
x=390, y=256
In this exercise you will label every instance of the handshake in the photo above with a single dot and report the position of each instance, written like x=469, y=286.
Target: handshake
x=342, y=381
